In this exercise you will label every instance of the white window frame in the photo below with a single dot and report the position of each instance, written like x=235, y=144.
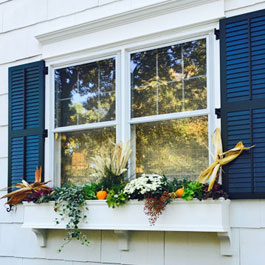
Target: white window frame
x=123, y=120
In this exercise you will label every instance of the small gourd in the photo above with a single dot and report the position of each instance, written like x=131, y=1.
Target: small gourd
x=102, y=195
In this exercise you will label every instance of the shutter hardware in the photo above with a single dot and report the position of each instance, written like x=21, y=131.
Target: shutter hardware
x=218, y=113
x=45, y=70
x=217, y=34
x=45, y=133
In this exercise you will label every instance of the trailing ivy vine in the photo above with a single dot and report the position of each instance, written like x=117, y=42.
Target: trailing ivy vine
x=70, y=202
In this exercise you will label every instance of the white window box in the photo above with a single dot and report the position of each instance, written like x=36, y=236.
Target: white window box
x=193, y=216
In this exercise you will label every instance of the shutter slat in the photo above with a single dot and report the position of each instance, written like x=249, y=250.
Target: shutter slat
x=26, y=100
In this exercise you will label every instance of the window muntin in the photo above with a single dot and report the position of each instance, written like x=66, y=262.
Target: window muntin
x=85, y=93
x=170, y=79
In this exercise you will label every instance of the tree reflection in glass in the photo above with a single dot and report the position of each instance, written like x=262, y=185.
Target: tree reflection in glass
x=75, y=149
x=176, y=148
x=168, y=80
x=85, y=93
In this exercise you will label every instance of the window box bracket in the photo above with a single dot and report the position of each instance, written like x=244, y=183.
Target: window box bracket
x=123, y=239
x=41, y=235
x=225, y=243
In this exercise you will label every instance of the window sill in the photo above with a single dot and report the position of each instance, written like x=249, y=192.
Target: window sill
x=179, y=215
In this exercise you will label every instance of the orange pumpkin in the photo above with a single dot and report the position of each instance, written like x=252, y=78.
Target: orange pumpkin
x=180, y=192
x=102, y=195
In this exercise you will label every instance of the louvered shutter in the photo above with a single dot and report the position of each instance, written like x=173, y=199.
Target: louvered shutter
x=242, y=40
x=26, y=121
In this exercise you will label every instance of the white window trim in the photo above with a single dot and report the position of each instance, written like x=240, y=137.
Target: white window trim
x=123, y=120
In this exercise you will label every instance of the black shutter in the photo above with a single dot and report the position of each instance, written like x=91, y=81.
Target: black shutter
x=26, y=121
x=242, y=40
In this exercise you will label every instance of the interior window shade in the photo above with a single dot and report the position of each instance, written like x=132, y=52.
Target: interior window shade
x=242, y=41
x=26, y=121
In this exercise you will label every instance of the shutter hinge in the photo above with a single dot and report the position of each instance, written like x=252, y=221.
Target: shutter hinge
x=217, y=34
x=218, y=113
x=45, y=133
x=45, y=70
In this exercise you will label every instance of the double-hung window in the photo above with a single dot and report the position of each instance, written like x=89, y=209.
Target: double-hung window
x=166, y=98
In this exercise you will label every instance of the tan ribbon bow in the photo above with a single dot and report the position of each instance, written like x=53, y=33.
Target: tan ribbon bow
x=212, y=172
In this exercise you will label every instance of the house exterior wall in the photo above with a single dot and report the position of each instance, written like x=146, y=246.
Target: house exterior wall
x=97, y=27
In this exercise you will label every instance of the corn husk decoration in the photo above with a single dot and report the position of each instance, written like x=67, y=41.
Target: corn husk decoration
x=221, y=158
x=24, y=189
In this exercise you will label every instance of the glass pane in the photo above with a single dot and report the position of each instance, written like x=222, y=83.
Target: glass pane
x=158, y=79
x=194, y=54
x=169, y=63
x=170, y=98
x=74, y=150
x=195, y=93
x=143, y=68
x=175, y=148
x=85, y=93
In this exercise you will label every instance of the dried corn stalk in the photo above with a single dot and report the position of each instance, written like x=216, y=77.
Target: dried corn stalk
x=24, y=189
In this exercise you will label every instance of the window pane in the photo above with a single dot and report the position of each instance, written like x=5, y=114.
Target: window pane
x=74, y=150
x=194, y=54
x=85, y=93
x=175, y=148
x=194, y=96
x=159, y=79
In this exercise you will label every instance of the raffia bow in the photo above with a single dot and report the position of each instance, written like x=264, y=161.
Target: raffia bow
x=210, y=174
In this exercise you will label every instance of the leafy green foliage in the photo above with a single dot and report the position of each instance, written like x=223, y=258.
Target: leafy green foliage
x=69, y=203
x=90, y=191
x=192, y=190
x=110, y=180
x=174, y=184
x=116, y=199
x=116, y=196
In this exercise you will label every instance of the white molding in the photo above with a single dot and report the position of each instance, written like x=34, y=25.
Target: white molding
x=119, y=19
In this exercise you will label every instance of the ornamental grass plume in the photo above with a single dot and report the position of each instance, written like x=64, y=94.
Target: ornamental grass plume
x=112, y=164
x=211, y=174
x=25, y=189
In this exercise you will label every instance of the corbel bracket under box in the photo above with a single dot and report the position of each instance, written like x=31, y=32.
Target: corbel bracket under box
x=225, y=243
x=123, y=239
x=41, y=235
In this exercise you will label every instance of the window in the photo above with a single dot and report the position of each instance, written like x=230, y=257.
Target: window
x=84, y=116
x=168, y=123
